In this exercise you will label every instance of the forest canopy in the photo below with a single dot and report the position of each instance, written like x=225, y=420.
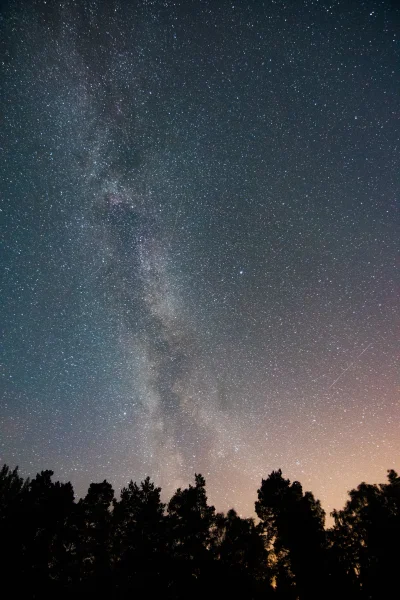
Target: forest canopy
x=100, y=546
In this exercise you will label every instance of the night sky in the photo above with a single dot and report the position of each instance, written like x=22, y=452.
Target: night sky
x=199, y=236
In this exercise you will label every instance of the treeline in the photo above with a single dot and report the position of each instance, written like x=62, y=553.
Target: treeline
x=138, y=547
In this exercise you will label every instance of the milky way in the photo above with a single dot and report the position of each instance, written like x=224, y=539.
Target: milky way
x=200, y=225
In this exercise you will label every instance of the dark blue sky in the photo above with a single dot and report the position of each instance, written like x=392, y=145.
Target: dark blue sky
x=200, y=229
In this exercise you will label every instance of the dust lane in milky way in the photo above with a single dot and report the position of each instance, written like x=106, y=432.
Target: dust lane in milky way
x=200, y=226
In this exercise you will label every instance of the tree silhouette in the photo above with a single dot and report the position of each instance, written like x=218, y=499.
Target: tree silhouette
x=294, y=526
x=13, y=490
x=49, y=506
x=12, y=486
x=92, y=522
x=190, y=522
x=240, y=548
x=139, y=536
x=34, y=529
x=242, y=545
x=106, y=548
x=365, y=539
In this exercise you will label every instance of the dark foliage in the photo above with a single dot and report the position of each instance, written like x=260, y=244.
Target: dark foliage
x=294, y=526
x=100, y=547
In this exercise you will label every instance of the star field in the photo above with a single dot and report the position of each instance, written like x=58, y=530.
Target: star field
x=200, y=229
